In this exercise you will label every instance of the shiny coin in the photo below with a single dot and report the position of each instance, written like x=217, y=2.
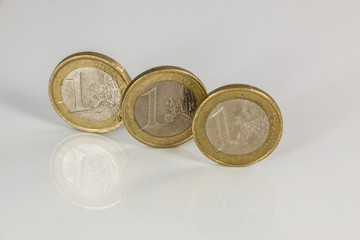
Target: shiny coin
x=86, y=88
x=159, y=106
x=237, y=125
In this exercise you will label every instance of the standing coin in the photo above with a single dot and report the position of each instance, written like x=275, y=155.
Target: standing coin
x=159, y=106
x=86, y=88
x=237, y=125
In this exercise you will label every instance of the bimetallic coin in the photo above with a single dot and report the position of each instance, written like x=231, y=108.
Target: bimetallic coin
x=237, y=125
x=86, y=88
x=160, y=104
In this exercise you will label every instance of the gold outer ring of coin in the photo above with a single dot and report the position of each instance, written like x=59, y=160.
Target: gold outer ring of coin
x=144, y=80
x=94, y=60
x=237, y=91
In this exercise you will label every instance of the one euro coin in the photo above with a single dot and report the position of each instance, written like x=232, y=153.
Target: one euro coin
x=86, y=91
x=159, y=106
x=237, y=125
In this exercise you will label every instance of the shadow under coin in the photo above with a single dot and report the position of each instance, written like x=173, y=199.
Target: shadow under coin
x=158, y=185
x=87, y=169
x=233, y=203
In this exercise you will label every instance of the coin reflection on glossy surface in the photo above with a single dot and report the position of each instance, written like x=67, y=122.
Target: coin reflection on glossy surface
x=88, y=170
x=158, y=190
x=237, y=125
x=159, y=106
x=233, y=204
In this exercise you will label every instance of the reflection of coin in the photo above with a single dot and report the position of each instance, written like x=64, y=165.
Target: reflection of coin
x=159, y=191
x=237, y=125
x=232, y=204
x=159, y=106
x=87, y=169
x=85, y=89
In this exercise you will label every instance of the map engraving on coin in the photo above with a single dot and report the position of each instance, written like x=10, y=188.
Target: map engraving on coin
x=91, y=94
x=165, y=109
x=237, y=126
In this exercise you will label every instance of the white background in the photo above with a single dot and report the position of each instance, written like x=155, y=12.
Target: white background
x=304, y=53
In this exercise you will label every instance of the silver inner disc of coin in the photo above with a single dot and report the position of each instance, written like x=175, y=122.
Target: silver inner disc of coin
x=91, y=94
x=237, y=126
x=165, y=109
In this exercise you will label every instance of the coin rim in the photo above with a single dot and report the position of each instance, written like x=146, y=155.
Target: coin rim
x=240, y=91
x=58, y=103
x=147, y=78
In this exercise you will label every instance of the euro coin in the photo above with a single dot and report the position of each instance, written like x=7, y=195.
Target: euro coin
x=86, y=89
x=237, y=125
x=159, y=106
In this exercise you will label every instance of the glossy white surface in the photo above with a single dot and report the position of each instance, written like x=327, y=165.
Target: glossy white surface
x=305, y=54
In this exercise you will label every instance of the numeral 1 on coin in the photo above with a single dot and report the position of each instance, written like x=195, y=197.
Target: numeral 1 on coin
x=222, y=120
x=78, y=94
x=152, y=109
x=79, y=156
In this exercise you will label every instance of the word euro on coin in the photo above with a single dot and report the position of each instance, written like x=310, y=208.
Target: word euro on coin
x=86, y=89
x=159, y=106
x=237, y=125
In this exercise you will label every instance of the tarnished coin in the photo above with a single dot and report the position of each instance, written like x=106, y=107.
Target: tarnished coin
x=237, y=125
x=86, y=88
x=159, y=106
